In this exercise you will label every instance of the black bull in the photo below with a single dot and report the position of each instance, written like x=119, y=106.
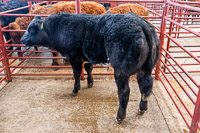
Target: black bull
x=127, y=41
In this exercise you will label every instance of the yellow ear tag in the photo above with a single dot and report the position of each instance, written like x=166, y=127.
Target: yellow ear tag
x=41, y=26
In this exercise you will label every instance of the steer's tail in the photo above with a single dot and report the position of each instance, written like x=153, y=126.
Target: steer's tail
x=154, y=45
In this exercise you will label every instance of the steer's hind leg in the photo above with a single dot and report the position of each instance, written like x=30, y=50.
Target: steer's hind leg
x=88, y=69
x=122, y=82
x=77, y=67
x=55, y=61
x=145, y=84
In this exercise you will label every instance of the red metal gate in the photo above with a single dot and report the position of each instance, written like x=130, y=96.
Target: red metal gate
x=170, y=65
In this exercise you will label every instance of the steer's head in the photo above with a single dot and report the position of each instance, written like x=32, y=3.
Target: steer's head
x=35, y=34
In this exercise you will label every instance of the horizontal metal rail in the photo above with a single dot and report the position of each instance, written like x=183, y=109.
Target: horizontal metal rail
x=187, y=51
x=167, y=66
x=184, y=6
x=183, y=116
x=55, y=74
x=13, y=10
x=141, y=1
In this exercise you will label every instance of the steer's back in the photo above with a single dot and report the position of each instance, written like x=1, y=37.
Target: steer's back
x=122, y=39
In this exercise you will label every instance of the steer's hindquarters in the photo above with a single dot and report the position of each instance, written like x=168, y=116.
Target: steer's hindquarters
x=128, y=54
x=144, y=77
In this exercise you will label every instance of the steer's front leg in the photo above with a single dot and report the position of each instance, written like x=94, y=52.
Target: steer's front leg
x=88, y=68
x=76, y=66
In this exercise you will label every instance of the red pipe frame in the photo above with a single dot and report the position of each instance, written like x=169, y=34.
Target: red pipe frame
x=162, y=37
x=155, y=10
x=196, y=116
x=4, y=57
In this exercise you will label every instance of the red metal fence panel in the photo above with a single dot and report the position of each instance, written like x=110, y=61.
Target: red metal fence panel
x=178, y=71
x=175, y=74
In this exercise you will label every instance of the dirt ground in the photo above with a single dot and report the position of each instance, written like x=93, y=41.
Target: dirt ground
x=46, y=106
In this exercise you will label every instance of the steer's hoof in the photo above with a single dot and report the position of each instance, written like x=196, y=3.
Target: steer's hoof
x=90, y=85
x=74, y=94
x=119, y=121
x=141, y=112
x=121, y=115
x=143, y=107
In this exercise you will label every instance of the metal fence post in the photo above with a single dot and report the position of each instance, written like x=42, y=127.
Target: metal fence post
x=196, y=115
x=30, y=5
x=170, y=33
x=4, y=55
x=113, y=4
x=179, y=20
x=162, y=37
x=78, y=6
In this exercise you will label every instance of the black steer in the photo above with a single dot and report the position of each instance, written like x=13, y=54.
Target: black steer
x=127, y=41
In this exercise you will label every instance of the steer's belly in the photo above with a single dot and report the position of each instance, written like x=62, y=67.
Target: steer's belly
x=95, y=54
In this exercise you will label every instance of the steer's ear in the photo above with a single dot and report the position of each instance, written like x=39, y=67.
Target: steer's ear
x=37, y=17
x=39, y=22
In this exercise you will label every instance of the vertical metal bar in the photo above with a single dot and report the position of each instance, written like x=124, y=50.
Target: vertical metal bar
x=170, y=27
x=162, y=37
x=174, y=26
x=145, y=5
x=30, y=5
x=170, y=33
x=181, y=14
x=113, y=4
x=78, y=6
x=196, y=115
x=176, y=29
x=4, y=55
x=186, y=11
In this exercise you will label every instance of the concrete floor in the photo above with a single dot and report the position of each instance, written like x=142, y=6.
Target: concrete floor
x=46, y=106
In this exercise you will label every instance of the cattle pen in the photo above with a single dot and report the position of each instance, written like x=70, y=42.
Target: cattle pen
x=176, y=84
